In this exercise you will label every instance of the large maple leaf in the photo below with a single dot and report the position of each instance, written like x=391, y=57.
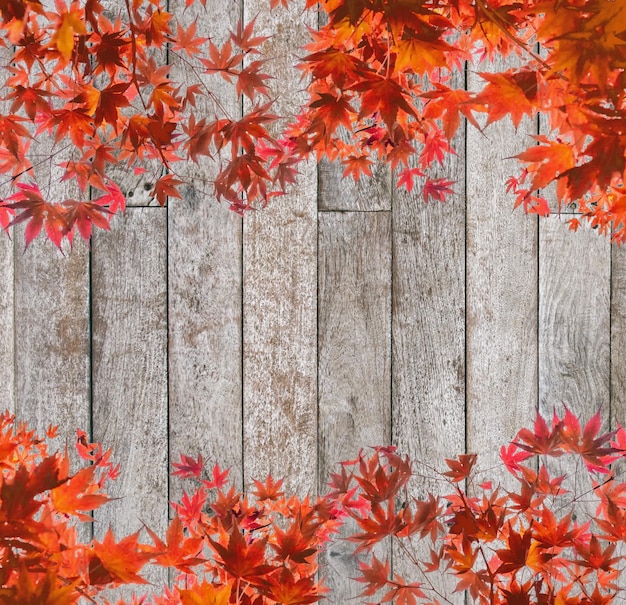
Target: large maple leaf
x=118, y=562
x=241, y=559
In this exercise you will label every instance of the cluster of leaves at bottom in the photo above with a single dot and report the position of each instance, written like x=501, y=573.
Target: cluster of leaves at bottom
x=517, y=546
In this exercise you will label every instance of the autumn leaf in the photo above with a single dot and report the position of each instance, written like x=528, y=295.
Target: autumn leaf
x=205, y=593
x=382, y=95
x=406, y=176
x=437, y=189
x=111, y=99
x=71, y=24
x=177, y=551
x=403, y=593
x=118, y=562
x=269, y=490
x=508, y=93
x=375, y=576
x=166, y=187
x=188, y=466
x=357, y=165
x=218, y=478
x=84, y=215
x=242, y=560
x=293, y=544
x=547, y=161
x=460, y=468
x=79, y=493
x=286, y=589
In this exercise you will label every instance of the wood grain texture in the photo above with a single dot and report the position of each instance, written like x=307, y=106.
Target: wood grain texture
x=205, y=334
x=429, y=340
x=279, y=335
x=279, y=293
x=52, y=368
x=7, y=326
x=574, y=335
x=7, y=291
x=337, y=192
x=130, y=413
x=354, y=358
x=574, y=318
x=429, y=323
x=205, y=239
x=618, y=335
x=502, y=285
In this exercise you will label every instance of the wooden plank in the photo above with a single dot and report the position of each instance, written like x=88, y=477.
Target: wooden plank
x=429, y=341
x=205, y=323
x=279, y=293
x=354, y=353
x=279, y=356
x=574, y=336
x=502, y=286
x=339, y=193
x=129, y=286
x=618, y=335
x=7, y=292
x=574, y=319
x=52, y=366
x=205, y=333
x=336, y=193
x=7, y=328
x=52, y=348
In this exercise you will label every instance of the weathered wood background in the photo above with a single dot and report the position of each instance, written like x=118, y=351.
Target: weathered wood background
x=342, y=316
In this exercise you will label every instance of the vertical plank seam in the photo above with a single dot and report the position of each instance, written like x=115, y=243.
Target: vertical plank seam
x=90, y=352
x=318, y=466
x=465, y=197
x=538, y=270
x=168, y=453
x=15, y=375
x=241, y=348
x=242, y=13
x=611, y=420
x=391, y=316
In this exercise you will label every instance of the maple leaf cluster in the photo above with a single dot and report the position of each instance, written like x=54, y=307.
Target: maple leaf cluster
x=385, y=73
x=224, y=547
x=94, y=88
x=512, y=546
x=523, y=546
x=382, y=88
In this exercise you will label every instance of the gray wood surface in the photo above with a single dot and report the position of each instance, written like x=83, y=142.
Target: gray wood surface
x=279, y=295
x=7, y=326
x=52, y=378
x=205, y=335
x=574, y=335
x=129, y=325
x=429, y=344
x=279, y=335
x=204, y=277
x=618, y=336
x=574, y=319
x=440, y=327
x=428, y=406
x=368, y=193
x=501, y=295
x=354, y=358
x=51, y=313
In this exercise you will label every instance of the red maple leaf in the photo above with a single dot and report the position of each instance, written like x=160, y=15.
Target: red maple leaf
x=242, y=560
x=188, y=467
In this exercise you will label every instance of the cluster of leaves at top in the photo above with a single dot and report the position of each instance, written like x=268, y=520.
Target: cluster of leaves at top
x=382, y=88
x=519, y=546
